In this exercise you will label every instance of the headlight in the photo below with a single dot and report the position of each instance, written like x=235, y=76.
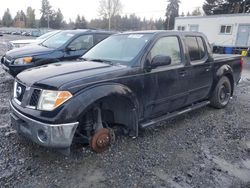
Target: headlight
x=23, y=61
x=49, y=100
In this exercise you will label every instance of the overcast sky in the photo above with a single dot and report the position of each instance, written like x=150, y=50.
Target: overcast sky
x=88, y=8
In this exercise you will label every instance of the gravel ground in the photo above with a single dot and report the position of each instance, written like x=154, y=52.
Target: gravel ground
x=204, y=148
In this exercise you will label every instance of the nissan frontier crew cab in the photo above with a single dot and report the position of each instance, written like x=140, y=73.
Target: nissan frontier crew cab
x=126, y=83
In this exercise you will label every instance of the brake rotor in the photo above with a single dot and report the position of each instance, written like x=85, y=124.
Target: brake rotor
x=101, y=140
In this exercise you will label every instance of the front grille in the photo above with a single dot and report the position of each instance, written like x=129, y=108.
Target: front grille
x=35, y=97
x=6, y=60
x=19, y=91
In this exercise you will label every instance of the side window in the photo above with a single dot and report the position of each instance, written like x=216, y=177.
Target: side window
x=84, y=42
x=196, y=48
x=201, y=47
x=168, y=46
x=100, y=37
x=226, y=29
x=181, y=28
x=194, y=28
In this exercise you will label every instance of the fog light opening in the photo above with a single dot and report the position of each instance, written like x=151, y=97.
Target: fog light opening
x=42, y=135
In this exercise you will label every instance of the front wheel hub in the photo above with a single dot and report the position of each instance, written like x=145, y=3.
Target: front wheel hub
x=101, y=140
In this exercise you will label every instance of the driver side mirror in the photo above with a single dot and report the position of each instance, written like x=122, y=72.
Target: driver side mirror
x=70, y=48
x=160, y=60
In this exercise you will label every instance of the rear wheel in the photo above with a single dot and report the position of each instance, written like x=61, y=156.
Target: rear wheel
x=222, y=93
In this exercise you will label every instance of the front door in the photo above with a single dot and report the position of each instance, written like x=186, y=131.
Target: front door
x=78, y=47
x=243, y=36
x=166, y=86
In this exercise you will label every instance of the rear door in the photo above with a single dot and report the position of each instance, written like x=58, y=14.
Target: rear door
x=200, y=77
x=166, y=86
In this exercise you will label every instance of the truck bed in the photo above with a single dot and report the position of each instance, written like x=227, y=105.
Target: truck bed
x=223, y=57
x=234, y=61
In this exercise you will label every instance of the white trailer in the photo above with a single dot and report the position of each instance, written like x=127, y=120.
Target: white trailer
x=227, y=33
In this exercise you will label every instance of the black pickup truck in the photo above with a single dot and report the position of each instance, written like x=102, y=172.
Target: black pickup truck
x=127, y=82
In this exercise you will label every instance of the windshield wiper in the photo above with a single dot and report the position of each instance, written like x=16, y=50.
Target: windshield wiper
x=83, y=59
x=101, y=61
x=43, y=45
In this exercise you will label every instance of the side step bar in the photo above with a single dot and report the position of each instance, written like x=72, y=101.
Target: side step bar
x=174, y=114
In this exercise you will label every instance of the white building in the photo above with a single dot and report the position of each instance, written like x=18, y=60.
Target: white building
x=226, y=30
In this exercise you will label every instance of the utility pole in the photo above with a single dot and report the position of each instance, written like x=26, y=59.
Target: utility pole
x=109, y=22
x=48, y=20
x=169, y=17
x=168, y=22
x=244, y=7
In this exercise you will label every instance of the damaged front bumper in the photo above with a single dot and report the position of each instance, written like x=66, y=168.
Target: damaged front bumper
x=49, y=135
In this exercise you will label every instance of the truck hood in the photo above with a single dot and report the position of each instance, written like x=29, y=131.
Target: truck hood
x=30, y=50
x=55, y=75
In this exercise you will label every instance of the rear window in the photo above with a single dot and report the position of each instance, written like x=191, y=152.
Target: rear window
x=201, y=47
x=100, y=37
x=196, y=48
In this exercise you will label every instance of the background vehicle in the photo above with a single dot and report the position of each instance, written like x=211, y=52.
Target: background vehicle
x=66, y=45
x=128, y=81
x=22, y=43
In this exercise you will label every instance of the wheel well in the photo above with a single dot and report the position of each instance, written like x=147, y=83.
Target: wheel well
x=231, y=79
x=116, y=111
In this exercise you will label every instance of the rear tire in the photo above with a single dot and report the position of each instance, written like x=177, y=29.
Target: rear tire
x=221, y=94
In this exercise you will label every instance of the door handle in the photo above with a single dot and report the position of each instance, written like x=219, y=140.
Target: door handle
x=208, y=68
x=183, y=73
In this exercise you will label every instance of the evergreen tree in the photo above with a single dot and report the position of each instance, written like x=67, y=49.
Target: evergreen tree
x=47, y=13
x=30, y=18
x=58, y=20
x=20, y=16
x=211, y=7
x=172, y=12
x=20, y=19
x=7, y=19
x=80, y=22
x=128, y=23
x=197, y=12
x=159, y=24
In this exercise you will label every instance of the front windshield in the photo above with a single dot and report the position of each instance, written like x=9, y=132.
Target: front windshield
x=47, y=35
x=118, y=48
x=58, y=40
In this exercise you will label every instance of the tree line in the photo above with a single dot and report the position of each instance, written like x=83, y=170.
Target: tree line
x=110, y=16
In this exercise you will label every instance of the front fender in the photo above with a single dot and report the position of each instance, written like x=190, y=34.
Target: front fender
x=75, y=108
x=91, y=94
